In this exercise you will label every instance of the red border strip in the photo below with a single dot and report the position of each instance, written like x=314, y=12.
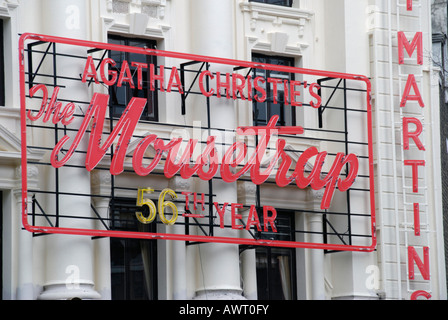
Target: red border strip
x=168, y=236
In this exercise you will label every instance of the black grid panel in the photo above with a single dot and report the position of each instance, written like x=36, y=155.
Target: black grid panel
x=338, y=121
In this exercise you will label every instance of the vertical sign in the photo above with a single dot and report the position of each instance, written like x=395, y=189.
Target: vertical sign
x=412, y=93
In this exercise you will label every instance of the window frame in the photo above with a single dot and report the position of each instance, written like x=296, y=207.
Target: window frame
x=1, y=243
x=122, y=246
x=267, y=289
x=284, y=3
x=151, y=96
x=2, y=65
x=269, y=103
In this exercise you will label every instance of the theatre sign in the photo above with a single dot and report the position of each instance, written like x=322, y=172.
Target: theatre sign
x=49, y=109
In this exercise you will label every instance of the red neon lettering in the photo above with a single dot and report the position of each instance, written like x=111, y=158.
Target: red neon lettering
x=274, y=82
x=269, y=219
x=208, y=159
x=234, y=87
x=125, y=75
x=313, y=179
x=286, y=91
x=414, y=135
x=201, y=83
x=295, y=93
x=404, y=43
x=416, y=219
x=140, y=66
x=249, y=88
x=89, y=70
x=97, y=110
x=301, y=180
x=235, y=215
x=252, y=219
x=53, y=107
x=345, y=184
x=285, y=164
x=254, y=162
x=260, y=177
x=174, y=81
x=171, y=168
x=227, y=162
x=67, y=114
x=414, y=164
x=153, y=77
x=270, y=129
x=410, y=47
x=196, y=201
x=259, y=89
x=238, y=88
x=187, y=200
x=221, y=212
x=187, y=204
x=113, y=73
x=315, y=95
x=331, y=178
x=420, y=293
x=422, y=266
x=406, y=96
x=139, y=152
x=33, y=91
x=186, y=171
x=222, y=85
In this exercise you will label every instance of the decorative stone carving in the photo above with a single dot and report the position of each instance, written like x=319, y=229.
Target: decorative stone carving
x=277, y=15
x=32, y=172
x=179, y=184
x=100, y=181
x=151, y=8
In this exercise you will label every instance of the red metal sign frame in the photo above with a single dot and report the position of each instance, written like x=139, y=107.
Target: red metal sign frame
x=181, y=237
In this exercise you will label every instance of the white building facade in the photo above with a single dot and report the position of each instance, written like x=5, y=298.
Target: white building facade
x=387, y=227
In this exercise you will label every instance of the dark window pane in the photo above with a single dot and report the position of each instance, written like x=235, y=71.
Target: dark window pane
x=286, y=3
x=262, y=112
x=2, y=68
x=276, y=266
x=120, y=96
x=133, y=261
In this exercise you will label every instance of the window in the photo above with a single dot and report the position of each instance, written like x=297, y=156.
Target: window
x=440, y=59
x=286, y=3
x=120, y=96
x=1, y=243
x=263, y=111
x=276, y=277
x=133, y=261
x=2, y=67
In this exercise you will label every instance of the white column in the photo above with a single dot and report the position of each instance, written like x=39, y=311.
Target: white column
x=25, y=283
x=100, y=184
x=212, y=34
x=249, y=273
x=178, y=249
x=102, y=254
x=179, y=261
x=69, y=259
x=316, y=256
